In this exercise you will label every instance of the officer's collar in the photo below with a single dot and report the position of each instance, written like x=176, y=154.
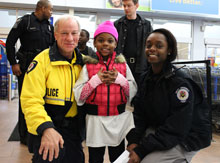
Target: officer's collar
x=55, y=55
x=35, y=17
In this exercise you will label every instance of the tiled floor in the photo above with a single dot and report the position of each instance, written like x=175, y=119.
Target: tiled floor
x=14, y=152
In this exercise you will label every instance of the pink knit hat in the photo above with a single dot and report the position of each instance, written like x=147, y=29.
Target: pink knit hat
x=106, y=27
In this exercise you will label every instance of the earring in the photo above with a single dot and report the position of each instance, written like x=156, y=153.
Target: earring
x=168, y=54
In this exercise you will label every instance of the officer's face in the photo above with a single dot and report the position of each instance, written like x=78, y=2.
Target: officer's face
x=47, y=11
x=67, y=36
x=156, y=48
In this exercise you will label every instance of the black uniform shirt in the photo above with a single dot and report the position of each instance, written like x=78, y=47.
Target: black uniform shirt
x=34, y=35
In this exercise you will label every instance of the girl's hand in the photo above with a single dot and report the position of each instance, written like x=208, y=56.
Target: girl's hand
x=108, y=77
x=112, y=75
x=100, y=74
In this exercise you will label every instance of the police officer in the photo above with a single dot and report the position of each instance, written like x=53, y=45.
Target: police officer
x=172, y=121
x=47, y=98
x=36, y=34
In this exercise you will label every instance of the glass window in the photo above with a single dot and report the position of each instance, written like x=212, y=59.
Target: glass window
x=183, y=51
x=7, y=17
x=178, y=28
x=182, y=30
x=114, y=18
x=24, y=12
x=57, y=14
x=212, y=40
x=212, y=31
x=213, y=54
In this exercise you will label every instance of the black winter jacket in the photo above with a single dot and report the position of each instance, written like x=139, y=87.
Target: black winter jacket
x=143, y=29
x=34, y=35
x=167, y=103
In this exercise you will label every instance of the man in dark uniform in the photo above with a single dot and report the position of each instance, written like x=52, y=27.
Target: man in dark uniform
x=36, y=34
x=132, y=31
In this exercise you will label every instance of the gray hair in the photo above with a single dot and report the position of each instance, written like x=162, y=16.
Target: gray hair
x=63, y=18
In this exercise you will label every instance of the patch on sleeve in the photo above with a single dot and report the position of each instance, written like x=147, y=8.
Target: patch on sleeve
x=32, y=66
x=182, y=94
x=17, y=22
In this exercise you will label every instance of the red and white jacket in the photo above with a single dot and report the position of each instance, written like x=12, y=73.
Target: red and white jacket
x=99, y=98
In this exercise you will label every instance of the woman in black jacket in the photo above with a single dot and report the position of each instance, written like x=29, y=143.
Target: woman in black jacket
x=170, y=124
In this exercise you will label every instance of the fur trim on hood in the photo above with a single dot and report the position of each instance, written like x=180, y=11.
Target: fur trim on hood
x=94, y=60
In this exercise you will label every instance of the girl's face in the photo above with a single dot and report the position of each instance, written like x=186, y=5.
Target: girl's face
x=156, y=48
x=105, y=44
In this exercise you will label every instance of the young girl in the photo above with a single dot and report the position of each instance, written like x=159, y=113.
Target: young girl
x=104, y=87
x=169, y=127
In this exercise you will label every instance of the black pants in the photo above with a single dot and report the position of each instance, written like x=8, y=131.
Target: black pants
x=96, y=155
x=72, y=151
x=22, y=127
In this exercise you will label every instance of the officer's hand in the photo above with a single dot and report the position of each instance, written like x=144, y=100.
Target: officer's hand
x=50, y=142
x=134, y=158
x=16, y=70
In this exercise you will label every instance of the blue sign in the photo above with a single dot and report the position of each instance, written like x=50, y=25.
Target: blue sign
x=51, y=20
x=189, y=6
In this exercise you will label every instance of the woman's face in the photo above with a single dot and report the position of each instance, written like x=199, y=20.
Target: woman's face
x=105, y=44
x=116, y=3
x=156, y=48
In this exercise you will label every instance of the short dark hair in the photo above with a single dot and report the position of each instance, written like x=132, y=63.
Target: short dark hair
x=171, y=41
x=134, y=1
x=87, y=33
x=42, y=3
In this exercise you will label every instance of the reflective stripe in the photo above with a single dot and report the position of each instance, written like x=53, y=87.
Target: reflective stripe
x=54, y=99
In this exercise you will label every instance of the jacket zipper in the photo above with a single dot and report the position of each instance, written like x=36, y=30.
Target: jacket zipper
x=71, y=71
x=108, y=98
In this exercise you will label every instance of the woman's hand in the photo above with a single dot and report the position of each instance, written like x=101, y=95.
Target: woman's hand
x=131, y=147
x=134, y=158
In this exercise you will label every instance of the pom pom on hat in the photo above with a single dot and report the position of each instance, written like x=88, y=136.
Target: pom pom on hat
x=107, y=27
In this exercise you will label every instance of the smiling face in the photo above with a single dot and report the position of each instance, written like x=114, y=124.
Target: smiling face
x=67, y=36
x=156, y=49
x=105, y=44
x=116, y=3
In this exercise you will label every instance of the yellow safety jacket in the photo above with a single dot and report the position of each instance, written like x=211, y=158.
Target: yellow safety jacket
x=47, y=92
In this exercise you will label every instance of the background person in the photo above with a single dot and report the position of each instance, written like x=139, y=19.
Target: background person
x=47, y=98
x=115, y=3
x=83, y=39
x=172, y=120
x=132, y=30
x=104, y=87
x=36, y=34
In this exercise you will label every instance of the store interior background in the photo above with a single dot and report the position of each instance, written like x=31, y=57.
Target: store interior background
x=198, y=37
